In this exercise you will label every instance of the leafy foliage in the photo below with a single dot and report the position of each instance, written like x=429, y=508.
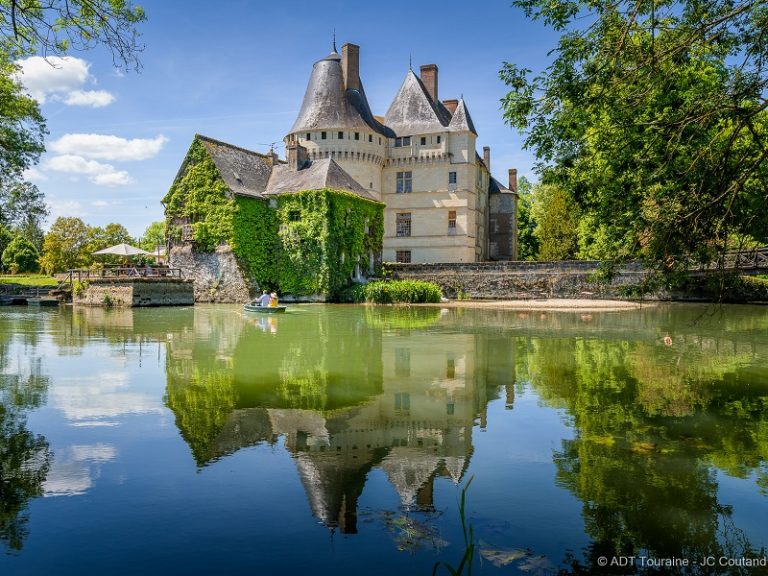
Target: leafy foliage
x=255, y=241
x=154, y=236
x=56, y=27
x=20, y=255
x=308, y=242
x=201, y=198
x=556, y=218
x=652, y=117
x=408, y=291
x=528, y=243
x=22, y=127
x=23, y=209
x=66, y=245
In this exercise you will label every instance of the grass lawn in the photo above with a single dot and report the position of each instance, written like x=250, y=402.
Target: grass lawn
x=28, y=279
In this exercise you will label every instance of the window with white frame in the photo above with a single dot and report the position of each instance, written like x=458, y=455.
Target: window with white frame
x=403, y=184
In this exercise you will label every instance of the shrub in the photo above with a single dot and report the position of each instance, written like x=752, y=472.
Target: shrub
x=408, y=291
x=353, y=294
x=21, y=255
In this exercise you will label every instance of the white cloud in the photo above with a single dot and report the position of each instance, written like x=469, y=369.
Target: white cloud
x=108, y=147
x=60, y=79
x=65, y=208
x=99, y=203
x=94, y=98
x=98, y=172
x=112, y=179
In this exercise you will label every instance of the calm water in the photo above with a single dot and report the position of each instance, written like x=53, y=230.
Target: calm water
x=337, y=440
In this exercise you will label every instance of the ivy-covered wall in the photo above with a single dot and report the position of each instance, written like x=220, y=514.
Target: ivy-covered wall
x=200, y=197
x=303, y=243
x=322, y=235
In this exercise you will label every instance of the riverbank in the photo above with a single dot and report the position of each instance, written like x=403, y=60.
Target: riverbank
x=547, y=304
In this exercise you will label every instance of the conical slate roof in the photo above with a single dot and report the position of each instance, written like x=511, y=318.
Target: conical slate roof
x=413, y=111
x=327, y=105
x=462, y=121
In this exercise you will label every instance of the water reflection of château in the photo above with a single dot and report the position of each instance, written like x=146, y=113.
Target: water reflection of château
x=347, y=398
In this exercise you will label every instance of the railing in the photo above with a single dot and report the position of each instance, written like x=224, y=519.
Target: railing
x=755, y=259
x=122, y=273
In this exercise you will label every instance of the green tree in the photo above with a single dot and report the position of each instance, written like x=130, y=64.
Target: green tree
x=527, y=242
x=21, y=255
x=556, y=220
x=56, y=27
x=652, y=116
x=154, y=235
x=66, y=245
x=22, y=127
x=23, y=209
x=5, y=238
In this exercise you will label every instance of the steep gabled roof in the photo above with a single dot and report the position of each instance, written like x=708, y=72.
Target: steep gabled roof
x=327, y=105
x=462, y=121
x=244, y=171
x=413, y=111
x=318, y=175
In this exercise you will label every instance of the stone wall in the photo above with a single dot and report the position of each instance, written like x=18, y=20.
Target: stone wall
x=135, y=292
x=215, y=275
x=519, y=280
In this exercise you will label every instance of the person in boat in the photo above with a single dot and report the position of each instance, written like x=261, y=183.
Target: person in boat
x=265, y=298
x=273, y=300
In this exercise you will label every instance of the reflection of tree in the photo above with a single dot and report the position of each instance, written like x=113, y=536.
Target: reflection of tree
x=401, y=317
x=648, y=421
x=24, y=456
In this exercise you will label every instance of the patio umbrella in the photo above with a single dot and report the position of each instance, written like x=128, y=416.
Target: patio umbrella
x=122, y=250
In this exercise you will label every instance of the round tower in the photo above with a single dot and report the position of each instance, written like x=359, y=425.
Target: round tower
x=335, y=120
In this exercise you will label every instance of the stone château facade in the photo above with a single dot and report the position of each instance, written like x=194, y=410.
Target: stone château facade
x=410, y=184
x=442, y=204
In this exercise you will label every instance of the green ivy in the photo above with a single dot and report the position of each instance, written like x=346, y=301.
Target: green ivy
x=302, y=243
x=254, y=241
x=200, y=196
x=322, y=235
x=408, y=291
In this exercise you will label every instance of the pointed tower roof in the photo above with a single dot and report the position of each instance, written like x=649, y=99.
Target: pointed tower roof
x=462, y=121
x=413, y=111
x=328, y=105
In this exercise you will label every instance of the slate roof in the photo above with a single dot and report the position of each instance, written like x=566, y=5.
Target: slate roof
x=461, y=120
x=327, y=105
x=319, y=174
x=244, y=171
x=413, y=111
x=496, y=187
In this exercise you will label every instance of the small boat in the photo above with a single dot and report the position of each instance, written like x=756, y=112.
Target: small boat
x=250, y=307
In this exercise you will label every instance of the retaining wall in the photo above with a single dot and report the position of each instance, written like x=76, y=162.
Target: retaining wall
x=136, y=292
x=216, y=276
x=520, y=280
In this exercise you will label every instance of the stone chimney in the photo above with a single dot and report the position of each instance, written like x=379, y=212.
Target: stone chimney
x=513, y=179
x=451, y=105
x=429, y=78
x=273, y=158
x=297, y=156
x=487, y=157
x=350, y=66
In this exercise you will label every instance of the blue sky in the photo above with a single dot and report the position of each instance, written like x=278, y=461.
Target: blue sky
x=238, y=72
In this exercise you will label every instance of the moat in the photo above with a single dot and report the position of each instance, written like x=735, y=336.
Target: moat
x=337, y=440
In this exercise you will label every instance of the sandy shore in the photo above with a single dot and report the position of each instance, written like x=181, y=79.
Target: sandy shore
x=564, y=304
